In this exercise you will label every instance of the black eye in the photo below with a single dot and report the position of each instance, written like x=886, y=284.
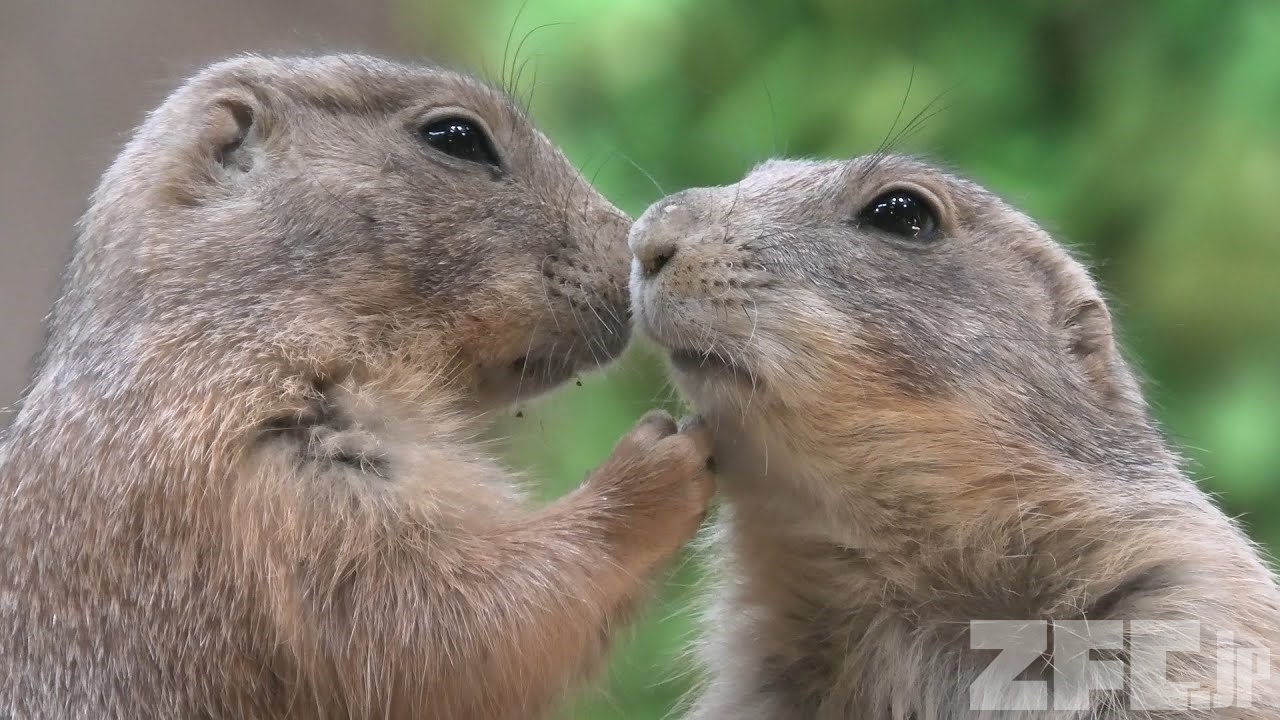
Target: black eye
x=460, y=138
x=902, y=213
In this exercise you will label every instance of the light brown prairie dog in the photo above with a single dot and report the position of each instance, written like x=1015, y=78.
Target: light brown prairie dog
x=922, y=420
x=244, y=482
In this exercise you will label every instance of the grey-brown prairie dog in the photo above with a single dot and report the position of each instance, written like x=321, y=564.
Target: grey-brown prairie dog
x=244, y=482
x=922, y=420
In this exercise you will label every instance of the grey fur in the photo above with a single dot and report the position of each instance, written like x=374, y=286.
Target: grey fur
x=916, y=435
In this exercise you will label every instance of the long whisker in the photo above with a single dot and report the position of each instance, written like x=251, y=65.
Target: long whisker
x=506, y=48
x=642, y=171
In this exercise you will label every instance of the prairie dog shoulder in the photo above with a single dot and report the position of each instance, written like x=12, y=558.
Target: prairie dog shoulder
x=245, y=482
x=923, y=420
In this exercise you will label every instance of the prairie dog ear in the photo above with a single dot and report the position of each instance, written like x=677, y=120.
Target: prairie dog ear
x=209, y=138
x=231, y=133
x=1087, y=324
x=1090, y=338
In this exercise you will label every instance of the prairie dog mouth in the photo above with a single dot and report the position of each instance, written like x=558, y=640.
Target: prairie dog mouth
x=542, y=370
x=529, y=375
x=710, y=364
x=673, y=319
x=711, y=361
x=701, y=361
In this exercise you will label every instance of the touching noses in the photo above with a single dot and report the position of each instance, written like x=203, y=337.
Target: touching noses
x=659, y=233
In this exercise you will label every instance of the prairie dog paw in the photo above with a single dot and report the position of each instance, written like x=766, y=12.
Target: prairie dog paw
x=660, y=480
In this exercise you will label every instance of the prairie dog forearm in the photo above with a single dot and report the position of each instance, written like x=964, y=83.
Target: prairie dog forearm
x=528, y=601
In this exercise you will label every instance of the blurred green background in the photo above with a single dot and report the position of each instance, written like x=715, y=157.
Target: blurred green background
x=1144, y=134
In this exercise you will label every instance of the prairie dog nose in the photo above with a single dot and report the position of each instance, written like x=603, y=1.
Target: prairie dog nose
x=658, y=234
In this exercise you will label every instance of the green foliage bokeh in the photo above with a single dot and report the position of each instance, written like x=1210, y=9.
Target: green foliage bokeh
x=1145, y=134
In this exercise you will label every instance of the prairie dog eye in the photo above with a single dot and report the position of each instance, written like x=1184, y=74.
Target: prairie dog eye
x=460, y=138
x=901, y=213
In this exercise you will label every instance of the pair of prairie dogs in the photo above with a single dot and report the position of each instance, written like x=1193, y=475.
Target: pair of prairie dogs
x=244, y=482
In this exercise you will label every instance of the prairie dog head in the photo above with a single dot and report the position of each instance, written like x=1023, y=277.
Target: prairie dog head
x=337, y=212
x=878, y=302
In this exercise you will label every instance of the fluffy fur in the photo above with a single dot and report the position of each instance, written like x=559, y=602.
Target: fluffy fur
x=245, y=480
x=916, y=435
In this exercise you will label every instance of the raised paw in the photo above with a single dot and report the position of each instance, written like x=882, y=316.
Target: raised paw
x=659, y=482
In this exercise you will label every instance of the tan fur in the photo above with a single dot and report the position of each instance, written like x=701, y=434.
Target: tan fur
x=913, y=436
x=246, y=481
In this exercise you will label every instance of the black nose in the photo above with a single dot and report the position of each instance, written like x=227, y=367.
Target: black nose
x=659, y=233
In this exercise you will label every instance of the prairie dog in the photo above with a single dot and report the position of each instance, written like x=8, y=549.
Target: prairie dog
x=922, y=420
x=245, y=480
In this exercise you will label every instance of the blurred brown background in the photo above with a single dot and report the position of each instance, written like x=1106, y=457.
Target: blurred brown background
x=76, y=77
